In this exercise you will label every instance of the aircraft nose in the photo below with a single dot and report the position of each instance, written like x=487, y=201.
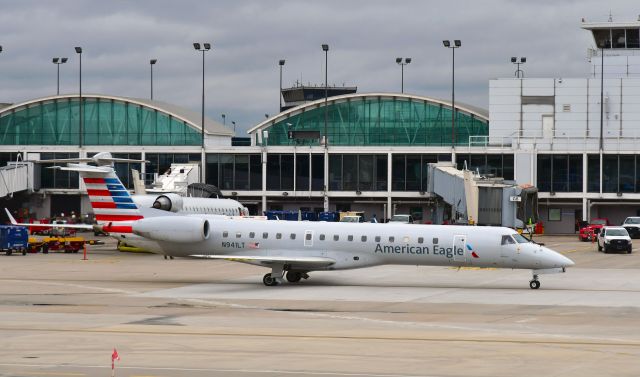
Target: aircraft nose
x=558, y=260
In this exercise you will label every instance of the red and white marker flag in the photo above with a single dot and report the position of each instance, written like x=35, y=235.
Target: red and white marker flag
x=114, y=357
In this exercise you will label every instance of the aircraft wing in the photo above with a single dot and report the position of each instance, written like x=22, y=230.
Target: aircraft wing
x=315, y=262
x=74, y=226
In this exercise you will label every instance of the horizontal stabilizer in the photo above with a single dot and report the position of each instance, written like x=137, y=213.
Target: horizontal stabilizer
x=72, y=226
x=100, y=159
x=307, y=261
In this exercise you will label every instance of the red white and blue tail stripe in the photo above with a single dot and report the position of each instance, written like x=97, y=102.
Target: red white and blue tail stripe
x=110, y=200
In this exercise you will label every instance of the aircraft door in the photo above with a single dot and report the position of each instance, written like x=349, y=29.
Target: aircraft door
x=308, y=238
x=460, y=248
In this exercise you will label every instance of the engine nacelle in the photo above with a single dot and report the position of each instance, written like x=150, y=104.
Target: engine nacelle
x=168, y=202
x=173, y=228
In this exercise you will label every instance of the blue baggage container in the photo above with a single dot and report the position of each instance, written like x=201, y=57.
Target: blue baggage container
x=14, y=239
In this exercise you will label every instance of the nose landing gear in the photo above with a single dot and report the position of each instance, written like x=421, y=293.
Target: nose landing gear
x=534, y=283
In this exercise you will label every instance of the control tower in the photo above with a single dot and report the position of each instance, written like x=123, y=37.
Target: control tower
x=301, y=94
x=617, y=45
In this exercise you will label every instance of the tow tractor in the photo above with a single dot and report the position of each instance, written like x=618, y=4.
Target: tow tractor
x=59, y=239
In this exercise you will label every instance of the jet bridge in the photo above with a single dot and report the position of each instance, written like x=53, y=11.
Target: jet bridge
x=16, y=177
x=476, y=199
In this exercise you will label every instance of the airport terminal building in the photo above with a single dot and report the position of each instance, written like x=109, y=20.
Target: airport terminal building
x=367, y=151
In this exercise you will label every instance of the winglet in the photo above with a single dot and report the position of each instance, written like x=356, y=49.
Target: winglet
x=13, y=220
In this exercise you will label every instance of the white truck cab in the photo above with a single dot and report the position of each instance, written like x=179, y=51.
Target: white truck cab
x=632, y=225
x=614, y=238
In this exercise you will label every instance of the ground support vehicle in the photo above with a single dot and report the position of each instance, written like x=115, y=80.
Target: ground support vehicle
x=60, y=243
x=591, y=230
x=632, y=225
x=14, y=239
x=614, y=238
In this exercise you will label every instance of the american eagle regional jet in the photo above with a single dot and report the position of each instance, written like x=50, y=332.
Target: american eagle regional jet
x=293, y=249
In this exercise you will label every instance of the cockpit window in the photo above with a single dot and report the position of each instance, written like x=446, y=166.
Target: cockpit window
x=507, y=240
x=520, y=239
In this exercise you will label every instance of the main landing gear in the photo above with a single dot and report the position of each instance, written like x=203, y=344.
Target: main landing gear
x=534, y=283
x=274, y=278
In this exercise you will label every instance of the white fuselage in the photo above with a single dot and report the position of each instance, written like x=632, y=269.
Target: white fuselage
x=356, y=245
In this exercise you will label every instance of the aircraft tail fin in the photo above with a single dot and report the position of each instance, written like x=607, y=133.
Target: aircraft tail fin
x=109, y=198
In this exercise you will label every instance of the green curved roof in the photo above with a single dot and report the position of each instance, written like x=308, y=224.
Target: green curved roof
x=378, y=119
x=107, y=120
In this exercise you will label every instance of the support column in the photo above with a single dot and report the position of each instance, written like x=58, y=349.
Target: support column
x=585, y=181
x=325, y=197
x=203, y=164
x=389, y=185
x=264, y=180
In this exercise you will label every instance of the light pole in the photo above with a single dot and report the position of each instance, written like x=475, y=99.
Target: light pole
x=456, y=44
x=152, y=62
x=517, y=62
x=402, y=64
x=605, y=44
x=80, y=142
x=233, y=122
x=280, y=63
x=58, y=61
x=204, y=48
x=224, y=119
x=325, y=48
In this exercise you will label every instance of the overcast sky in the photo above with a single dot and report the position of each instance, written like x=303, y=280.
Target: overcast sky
x=249, y=37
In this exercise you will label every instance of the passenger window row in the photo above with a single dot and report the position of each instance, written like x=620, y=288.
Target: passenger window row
x=322, y=237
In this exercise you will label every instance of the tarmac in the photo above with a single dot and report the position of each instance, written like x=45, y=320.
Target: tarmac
x=61, y=315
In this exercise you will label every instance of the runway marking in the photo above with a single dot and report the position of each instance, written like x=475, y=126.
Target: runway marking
x=612, y=343
x=254, y=371
x=52, y=373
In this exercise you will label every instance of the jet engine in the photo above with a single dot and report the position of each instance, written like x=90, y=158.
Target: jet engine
x=182, y=229
x=168, y=202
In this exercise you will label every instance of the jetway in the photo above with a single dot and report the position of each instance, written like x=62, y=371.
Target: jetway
x=16, y=177
x=476, y=199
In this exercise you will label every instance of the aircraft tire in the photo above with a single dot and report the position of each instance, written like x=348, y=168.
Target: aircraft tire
x=534, y=284
x=269, y=281
x=294, y=276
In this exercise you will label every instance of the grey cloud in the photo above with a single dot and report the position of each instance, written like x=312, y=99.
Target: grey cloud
x=249, y=37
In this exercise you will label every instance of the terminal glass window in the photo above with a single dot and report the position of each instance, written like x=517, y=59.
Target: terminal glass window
x=105, y=122
x=280, y=172
x=618, y=38
x=410, y=171
x=593, y=173
x=602, y=37
x=559, y=173
x=633, y=38
x=303, y=171
x=620, y=173
x=380, y=121
x=496, y=165
x=317, y=172
x=54, y=178
x=352, y=172
x=234, y=171
x=610, y=173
